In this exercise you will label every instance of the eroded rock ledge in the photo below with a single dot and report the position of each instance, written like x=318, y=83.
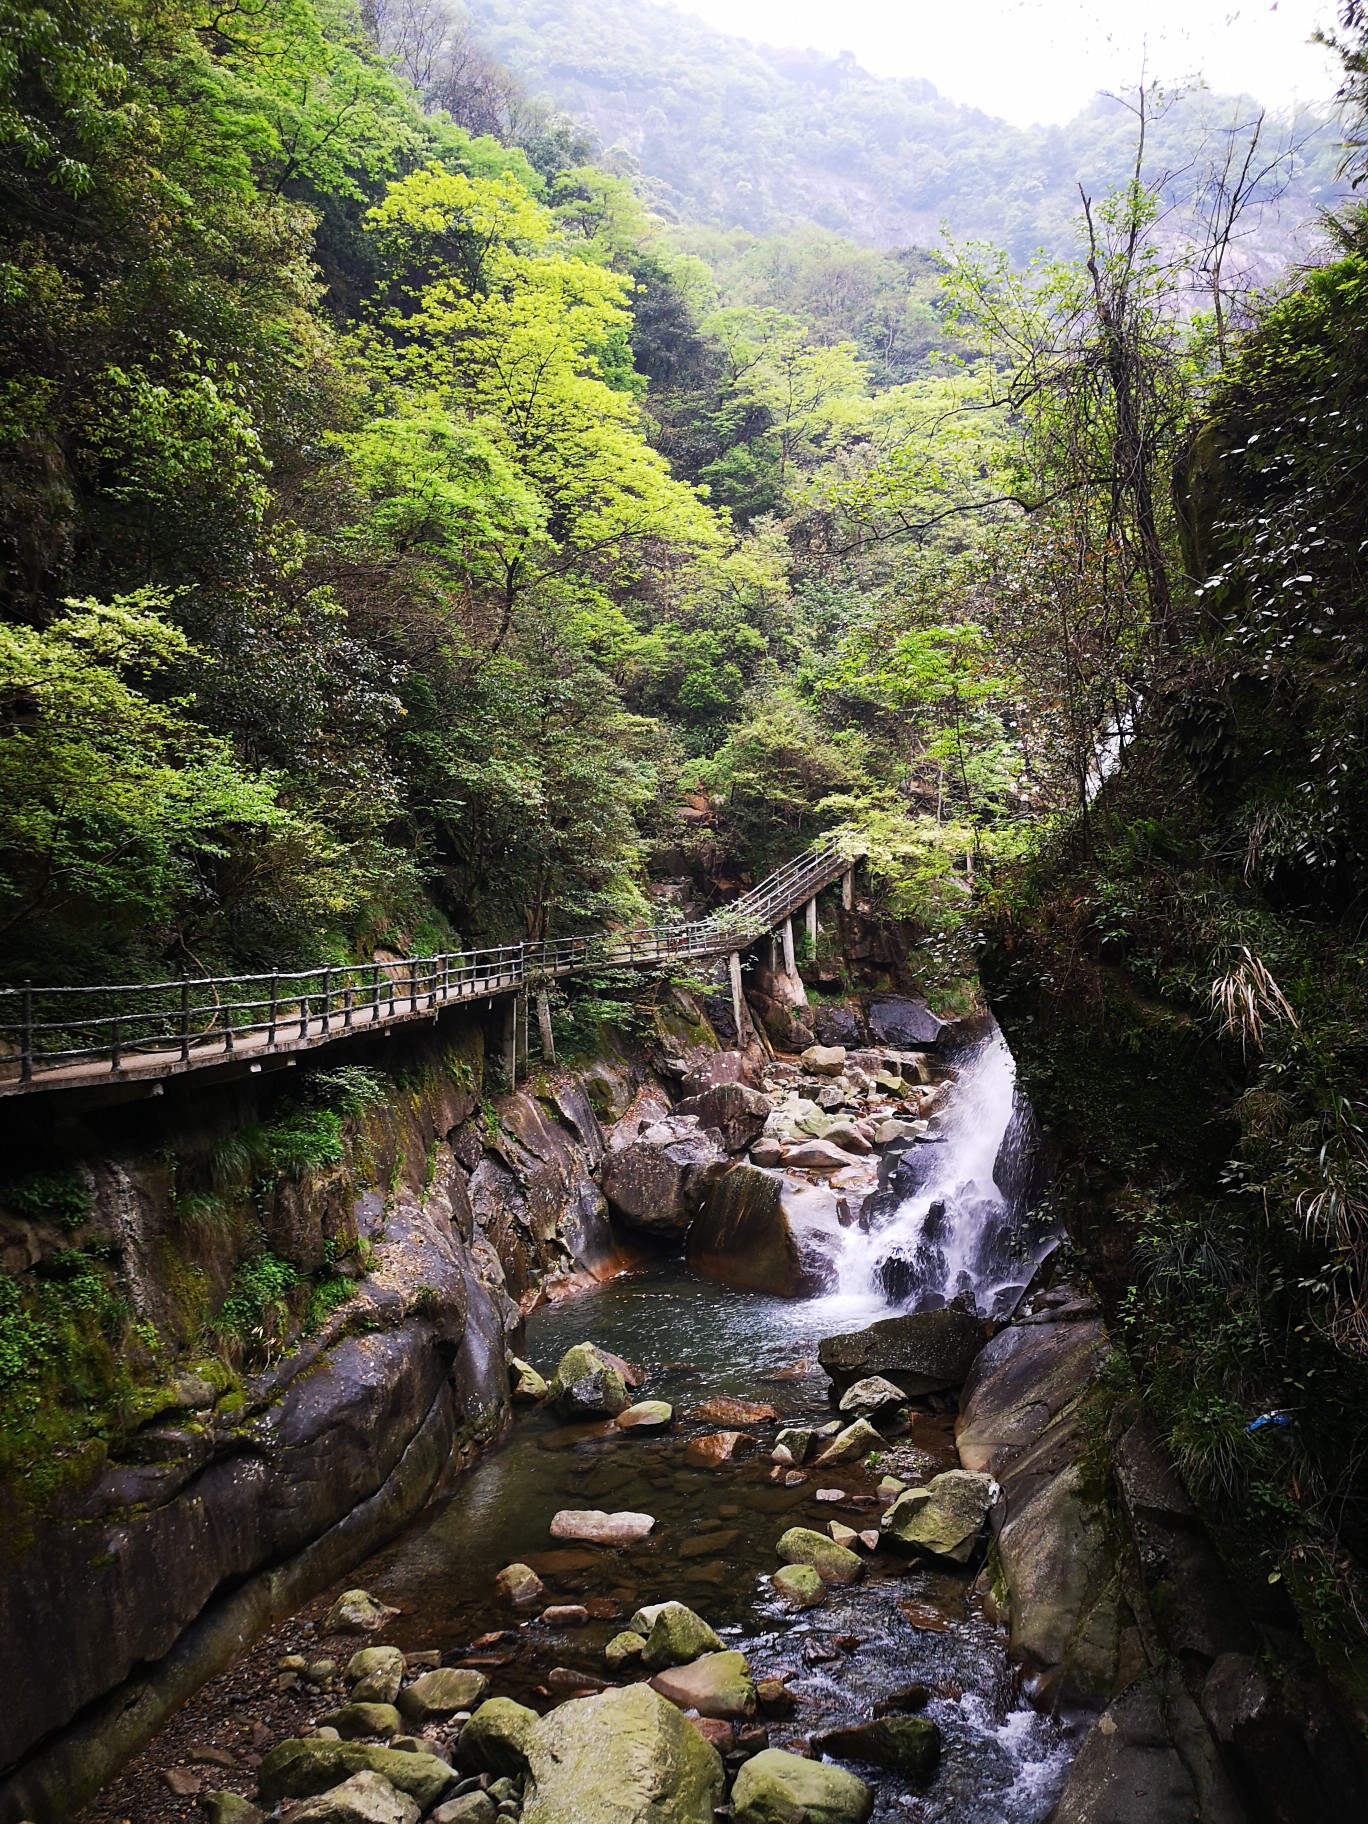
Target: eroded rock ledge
x=216, y=1518
x=1206, y=1712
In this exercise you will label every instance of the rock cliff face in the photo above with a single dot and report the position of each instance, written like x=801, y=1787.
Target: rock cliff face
x=1118, y=1601
x=207, y=1523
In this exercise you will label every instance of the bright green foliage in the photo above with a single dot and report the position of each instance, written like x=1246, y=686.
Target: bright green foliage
x=811, y=395
x=255, y=1313
x=111, y=799
x=774, y=774
x=306, y=1142
x=443, y=493
x=496, y=313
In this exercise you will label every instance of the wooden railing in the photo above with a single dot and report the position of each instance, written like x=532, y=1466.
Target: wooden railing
x=50, y=1037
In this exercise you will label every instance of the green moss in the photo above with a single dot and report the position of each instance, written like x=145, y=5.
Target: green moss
x=325, y=1295
x=63, y=1380
x=189, y=1293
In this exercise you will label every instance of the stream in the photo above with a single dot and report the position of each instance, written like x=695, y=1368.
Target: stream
x=952, y=1231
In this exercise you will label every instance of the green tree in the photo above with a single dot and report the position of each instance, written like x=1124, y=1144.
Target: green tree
x=119, y=805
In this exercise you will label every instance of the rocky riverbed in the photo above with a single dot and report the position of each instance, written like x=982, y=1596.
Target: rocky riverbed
x=840, y=1640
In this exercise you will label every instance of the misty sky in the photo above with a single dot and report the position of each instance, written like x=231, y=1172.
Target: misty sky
x=1041, y=60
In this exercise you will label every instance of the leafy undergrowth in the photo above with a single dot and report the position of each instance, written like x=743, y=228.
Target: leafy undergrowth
x=1194, y=1043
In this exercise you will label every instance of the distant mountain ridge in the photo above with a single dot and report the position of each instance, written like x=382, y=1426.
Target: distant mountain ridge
x=740, y=135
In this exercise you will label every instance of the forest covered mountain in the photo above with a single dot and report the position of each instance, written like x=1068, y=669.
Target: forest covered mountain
x=738, y=135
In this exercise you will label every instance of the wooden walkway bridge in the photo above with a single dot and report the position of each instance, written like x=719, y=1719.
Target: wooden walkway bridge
x=74, y=1038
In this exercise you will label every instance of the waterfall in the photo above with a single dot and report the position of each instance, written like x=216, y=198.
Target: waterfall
x=953, y=1222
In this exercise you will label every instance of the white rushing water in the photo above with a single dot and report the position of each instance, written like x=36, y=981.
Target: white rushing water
x=953, y=1223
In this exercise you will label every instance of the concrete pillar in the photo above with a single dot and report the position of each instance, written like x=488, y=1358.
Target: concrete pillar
x=776, y=953
x=524, y=1035
x=790, y=968
x=812, y=923
x=738, y=999
x=548, y=1038
x=510, y=1040
x=848, y=890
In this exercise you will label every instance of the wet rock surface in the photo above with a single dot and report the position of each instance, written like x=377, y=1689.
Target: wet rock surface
x=776, y=1787
x=943, y=1519
x=625, y=1757
x=733, y=1111
x=923, y=1352
x=657, y=1180
x=746, y=1237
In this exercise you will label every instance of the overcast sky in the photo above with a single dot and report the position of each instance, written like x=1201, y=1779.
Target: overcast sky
x=1041, y=60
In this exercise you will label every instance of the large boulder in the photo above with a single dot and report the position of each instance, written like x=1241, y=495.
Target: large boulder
x=874, y=1398
x=230, y=1808
x=364, y=1719
x=658, y=1181
x=365, y=1798
x=922, y=1352
x=717, y=1684
x=777, y=1788
x=716, y=1068
x=901, y=1021
x=495, y=1739
x=832, y=1562
x=673, y=1634
x=1058, y=1571
x=1149, y=1760
x=525, y=1386
x=1056, y=1583
x=746, y=1236
x=733, y=1110
x=442, y=1693
x=520, y=1585
x=908, y=1744
x=838, y=1026
x=821, y=1156
x=944, y=1519
x=799, y=1586
x=357, y=1612
x=1022, y=1393
x=586, y=1385
x=646, y=1415
x=620, y=1757
x=375, y=1675
x=299, y=1769
x=856, y=1441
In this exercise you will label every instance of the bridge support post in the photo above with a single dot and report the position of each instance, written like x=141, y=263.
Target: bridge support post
x=848, y=890
x=548, y=1038
x=790, y=967
x=738, y=999
x=812, y=923
x=510, y=1040
x=523, y=1036
x=776, y=954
